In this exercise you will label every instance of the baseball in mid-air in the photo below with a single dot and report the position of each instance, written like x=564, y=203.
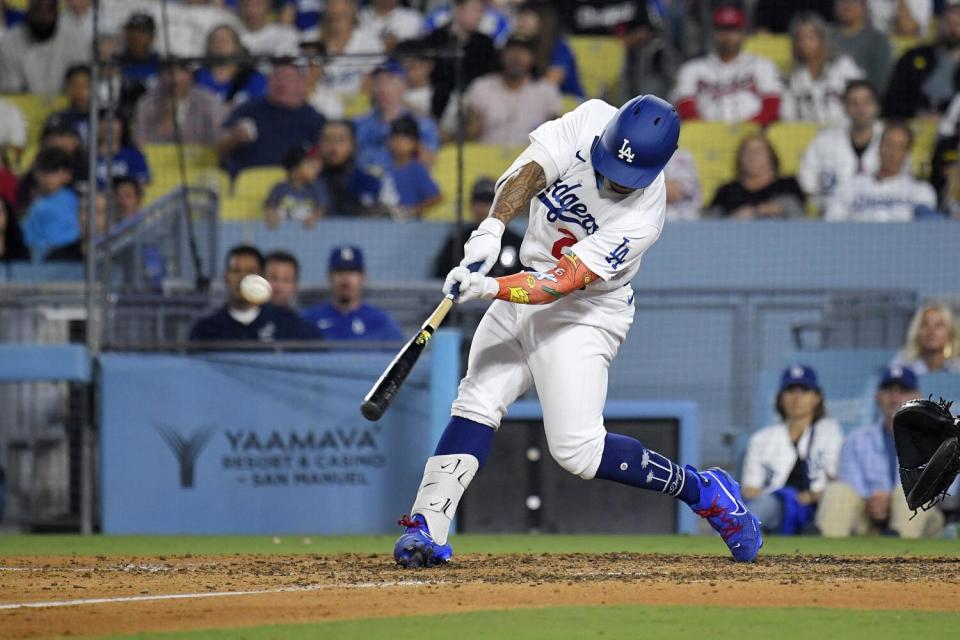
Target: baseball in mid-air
x=255, y=289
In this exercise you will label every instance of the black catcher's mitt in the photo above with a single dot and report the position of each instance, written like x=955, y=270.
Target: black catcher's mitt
x=927, y=438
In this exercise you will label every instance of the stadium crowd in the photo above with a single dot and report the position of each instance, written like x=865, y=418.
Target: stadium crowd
x=357, y=101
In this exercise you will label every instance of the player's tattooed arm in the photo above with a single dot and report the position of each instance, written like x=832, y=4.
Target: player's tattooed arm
x=525, y=287
x=515, y=193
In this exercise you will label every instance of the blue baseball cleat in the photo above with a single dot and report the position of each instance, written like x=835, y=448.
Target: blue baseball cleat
x=416, y=548
x=722, y=505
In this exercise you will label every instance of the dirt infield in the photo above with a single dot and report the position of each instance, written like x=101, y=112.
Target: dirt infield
x=216, y=590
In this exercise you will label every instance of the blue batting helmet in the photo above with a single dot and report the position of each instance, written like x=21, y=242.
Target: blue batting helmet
x=637, y=142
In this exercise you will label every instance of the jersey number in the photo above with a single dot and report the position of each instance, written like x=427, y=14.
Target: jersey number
x=567, y=241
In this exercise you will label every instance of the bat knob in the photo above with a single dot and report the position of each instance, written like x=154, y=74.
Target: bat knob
x=371, y=410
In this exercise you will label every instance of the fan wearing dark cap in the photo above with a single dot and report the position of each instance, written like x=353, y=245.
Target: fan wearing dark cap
x=139, y=61
x=481, y=199
x=788, y=464
x=504, y=107
x=728, y=85
x=867, y=496
x=406, y=185
x=301, y=197
x=346, y=316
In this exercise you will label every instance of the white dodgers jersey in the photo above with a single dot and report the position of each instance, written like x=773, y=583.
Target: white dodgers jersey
x=608, y=232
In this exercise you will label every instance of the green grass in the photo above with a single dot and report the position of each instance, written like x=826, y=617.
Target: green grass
x=61, y=545
x=613, y=622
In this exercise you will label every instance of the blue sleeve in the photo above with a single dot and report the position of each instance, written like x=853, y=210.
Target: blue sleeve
x=275, y=195
x=429, y=134
x=311, y=315
x=138, y=166
x=390, y=329
x=256, y=86
x=427, y=187
x=850, y=470
x=562, y=56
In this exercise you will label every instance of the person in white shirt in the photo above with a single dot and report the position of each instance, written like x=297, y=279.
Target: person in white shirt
x=932, y=344
x=76, y=18
x=341, y=34
x=260, y=36
x=391, y=22
x=729, y=85
x=889, y=194
x=906, y=18
x=837, y=154
x=503, y=108
x=819, y=76
x=13, y=131
x=788, y=464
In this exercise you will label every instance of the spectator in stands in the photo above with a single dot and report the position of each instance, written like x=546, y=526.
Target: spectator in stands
x=788, y=464
x=117, y=144
x=260, y=131
x=127, y=196
x=241, y=320
x=493, y=22
x=419, y=67
x=301, y=197
x=503, y=108
x=76, y=18
x=346, y=316
x=932, y=344
x=481, y=199
x=407, y=189
x=554, y=60
x=867, y=496
x=77, y=250
x=391, y=22
x=12, y=245
x=759, y=190
x=51, y=220
x=838, y=154
x=924, y=78
x=55, y=136
x=342, y=35
x=819, y=76
x=76, y=88
x=651, y=59
x=888, y=195
x=683, y=187
x=320, y=96
x=729, y=85
x=261, y=36
x=35, y=54
x=282, y=271
x=13, y=131
x=177, y=111
x=856, y=38
x=902, y=18
x=353, y=191
x=305, y=15
x=388, y=85
x=775, y=16
x=139, y=62
x=479, y=56
x=234, y=80
x=190, y=22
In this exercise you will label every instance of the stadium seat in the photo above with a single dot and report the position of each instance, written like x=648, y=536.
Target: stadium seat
x=163, y=159
x=35, y=110
x=924, y=140
x=250, y=189
x=714, y=148
x=790, y=140
x=356, y=105
x=478, y=160
x=774, y=47
x=600, y=61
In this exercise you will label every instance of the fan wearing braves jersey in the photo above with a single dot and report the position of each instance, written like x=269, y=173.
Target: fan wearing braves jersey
x=593, y=183
x=729, y=85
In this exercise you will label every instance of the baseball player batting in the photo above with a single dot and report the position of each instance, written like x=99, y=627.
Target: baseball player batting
x=595, y=180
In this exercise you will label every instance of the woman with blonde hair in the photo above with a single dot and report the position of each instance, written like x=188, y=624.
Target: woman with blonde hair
x=933, y=341
x=819, y=76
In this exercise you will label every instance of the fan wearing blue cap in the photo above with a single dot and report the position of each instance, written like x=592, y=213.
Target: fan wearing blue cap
x=867, y=496
x=592, y=182
x=788, y=464
x=346, y=316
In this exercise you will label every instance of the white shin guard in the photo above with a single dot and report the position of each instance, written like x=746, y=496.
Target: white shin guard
x=445, y=478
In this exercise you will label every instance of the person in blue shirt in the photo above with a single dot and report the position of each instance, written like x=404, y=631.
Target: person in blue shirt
x=388, y=87
x=346, y=316
x=260, y=131
x=301, y=197
x=233, y=82
x=126, y=159
x=241, y=320
x=52, y=219
x=407, y=188
x=867, y=495
x=353, y=191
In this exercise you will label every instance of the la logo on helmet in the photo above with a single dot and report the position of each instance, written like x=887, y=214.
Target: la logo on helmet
x=625, y=153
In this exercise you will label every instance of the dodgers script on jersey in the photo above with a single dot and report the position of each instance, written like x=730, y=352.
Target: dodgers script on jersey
x=609, y=232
